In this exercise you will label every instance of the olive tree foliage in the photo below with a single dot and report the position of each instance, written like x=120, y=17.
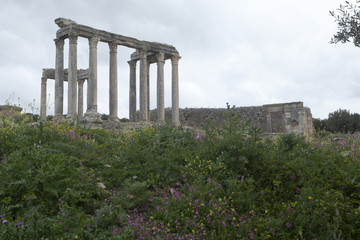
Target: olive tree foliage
x=347, y=17
x=339, y=121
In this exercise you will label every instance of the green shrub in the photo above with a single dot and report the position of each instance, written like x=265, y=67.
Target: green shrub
x=61, y=181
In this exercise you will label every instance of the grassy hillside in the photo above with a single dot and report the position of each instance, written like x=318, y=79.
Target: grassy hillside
x=162, y=182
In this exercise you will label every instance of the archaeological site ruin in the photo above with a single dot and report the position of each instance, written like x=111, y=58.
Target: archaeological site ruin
x=146, y=53
x=272, y=118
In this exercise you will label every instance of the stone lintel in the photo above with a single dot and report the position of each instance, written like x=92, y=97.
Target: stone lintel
x=279, y=107
x=104, y=36
x=151, y=57
x=49, y=73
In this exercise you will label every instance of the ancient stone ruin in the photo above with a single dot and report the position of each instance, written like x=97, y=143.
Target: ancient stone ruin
x=291, y=117
x=272, y=118
x=146, y=52
x=9, y=111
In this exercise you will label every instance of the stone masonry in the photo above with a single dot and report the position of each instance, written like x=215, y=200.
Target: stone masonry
x=9, y=111
x=146, y=53
x=272, y=118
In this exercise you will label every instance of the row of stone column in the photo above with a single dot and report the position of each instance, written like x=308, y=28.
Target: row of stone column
x=43, y=98
x=91, y=114
x=91, y=111
x=144, y=88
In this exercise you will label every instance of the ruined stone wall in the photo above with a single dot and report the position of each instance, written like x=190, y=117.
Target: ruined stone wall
x=273, y=118
x=10, y=111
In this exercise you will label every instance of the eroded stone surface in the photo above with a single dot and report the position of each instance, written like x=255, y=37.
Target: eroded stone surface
x=271, y=118
x=91, y=119
x=10, y=111
x=62, y=22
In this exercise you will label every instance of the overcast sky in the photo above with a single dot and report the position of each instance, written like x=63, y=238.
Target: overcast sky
x=247, y=53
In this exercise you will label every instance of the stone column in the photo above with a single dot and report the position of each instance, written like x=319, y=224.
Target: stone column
x=113, y=90
x=92, y=119
x=287, y=120
x=72, y=79
x=59, y=79
x=268, y=123
x=148, y=90
x=81, y=97
x=160, y=87
x=175, y=90
x=43, y=99
x=302, y=120
x=92, y=81
x=132, y=91
x=143, y=85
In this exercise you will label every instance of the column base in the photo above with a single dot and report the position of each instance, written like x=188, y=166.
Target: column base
x=114, y=119
x=92, y=120
x=160, y=121
x=71, y=118
x=59, y=119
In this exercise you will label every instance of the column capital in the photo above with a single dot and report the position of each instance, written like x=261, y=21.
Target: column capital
x=73, y=38
x=132, y=63
x=81, y=82
x=59, y=42
x=175, y=60
x=43, y=80
x=160, y=57
x=93, y=41
x=142, y=53
x=113, y=47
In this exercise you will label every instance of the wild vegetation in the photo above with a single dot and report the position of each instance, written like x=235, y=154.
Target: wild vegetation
x=163, y=182
x=339, y=121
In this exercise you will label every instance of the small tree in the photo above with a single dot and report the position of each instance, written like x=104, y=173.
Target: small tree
x=348, y=19
x=354, y=122
x=339, y=121
x=320, y=124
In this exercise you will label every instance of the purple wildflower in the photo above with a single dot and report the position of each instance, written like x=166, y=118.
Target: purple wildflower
x=5, y=221
x=18, y=224
x=251, y=234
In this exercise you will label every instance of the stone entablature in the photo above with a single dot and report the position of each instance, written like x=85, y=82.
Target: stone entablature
x=70, y=28
x=49, y=73
x=146, y=53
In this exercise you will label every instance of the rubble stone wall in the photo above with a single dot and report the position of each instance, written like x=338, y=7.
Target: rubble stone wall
x=273, y=118
x=10, y=111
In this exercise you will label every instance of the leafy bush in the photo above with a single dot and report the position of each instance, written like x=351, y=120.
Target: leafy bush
x=60, y=181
